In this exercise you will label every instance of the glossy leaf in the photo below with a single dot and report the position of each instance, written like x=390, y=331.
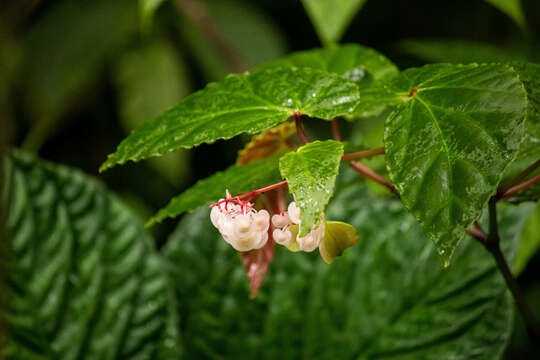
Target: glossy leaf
x=150, y=80
x=331, y=17
x=246, y=103
x=386, y=298
x=363, y=65
x=529, y=244
x=512, y=8
x=237, y=179
x=354, y=62
x=83, y=280
x=338, y=237
x=451, y=140
x=311, y=174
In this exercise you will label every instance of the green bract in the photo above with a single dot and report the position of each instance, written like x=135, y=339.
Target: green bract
x=237, y=179
x=245, y=103
x=311, y=174
x=338, y=236
x=450, y=141
x=83, y=280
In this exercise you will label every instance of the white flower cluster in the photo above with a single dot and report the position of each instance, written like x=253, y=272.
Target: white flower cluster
x=240, y=225
x=283, y=236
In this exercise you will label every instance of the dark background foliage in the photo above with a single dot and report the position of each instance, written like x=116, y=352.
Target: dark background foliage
x=84, y=123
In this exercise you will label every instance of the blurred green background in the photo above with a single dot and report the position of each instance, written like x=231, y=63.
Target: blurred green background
x=77, y=76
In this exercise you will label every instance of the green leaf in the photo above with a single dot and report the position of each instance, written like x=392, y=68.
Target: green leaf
x=83, y=280
x=150, y=80
x=246, y=103
x=354, y=62
x=387, y=297
x=449, y=143
x=529, y=152
x=311, y=174
x=459, y=51
x=331, y=17
x=338, y=237
x=363, y=65
x=237, y=179
x=247, y=30
x=529, y=242
x=512, y=8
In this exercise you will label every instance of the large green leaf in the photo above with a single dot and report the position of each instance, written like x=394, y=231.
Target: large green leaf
x=363, y=65
x=449, y=143
x=245, y=103
x=237, y=179
x=331, y=17
x=311, y=174
x=386, y=297
x=82, y=279
x=151, y=79
x=512, y=8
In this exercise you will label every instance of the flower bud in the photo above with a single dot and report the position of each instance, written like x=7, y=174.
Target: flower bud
x=280, y=221
x=282, y=237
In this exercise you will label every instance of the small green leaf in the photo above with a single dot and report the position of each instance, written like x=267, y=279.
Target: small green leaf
x=363, y=65
x=338, y=237
x=529, y=244
x=245, y=103
x=237, y=179
x=82, y=279
x=512, y=8
x=311, y=174
x=449, y=143
x=331, y=17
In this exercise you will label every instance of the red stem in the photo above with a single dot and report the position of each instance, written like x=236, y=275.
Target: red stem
x=363, y=154
x=299, y=130
x=335, y=129
x=517, y=179
x=519, y=187
x=372, y=175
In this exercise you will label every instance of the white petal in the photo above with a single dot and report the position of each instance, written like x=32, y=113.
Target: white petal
x=262, y=221
x=280, y=221
x=294, y=213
